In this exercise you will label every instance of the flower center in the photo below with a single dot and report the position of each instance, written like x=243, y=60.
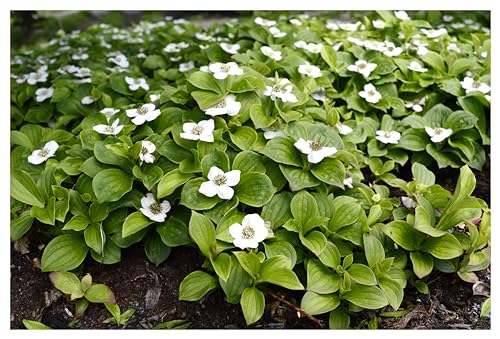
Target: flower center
x=109, y=129
x=220, y=104
x=387, y=134
x=390, y=48
x=225, y=68
x=43, y=153
x=476, y=84
x=144, y=151
x=197, y=130
x=137, y=81
x=438, y=131
x=220, y=180
x=371, y=93
x=155, y=208
x=361, y=66
x=142, y=110
x=248, y=232
x=315, y=145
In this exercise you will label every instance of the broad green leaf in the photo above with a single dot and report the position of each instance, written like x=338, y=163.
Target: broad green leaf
x=422, y=264
x=485, y=309
x=362, y=274
x=111, y=184
x=222, y=265
x=330, y=255
x=374, y=250
x=100, y=293
x=111, y=254
x=191, y=198
x=154, y=61
x=444, y=247
x=202, y=231
x=313, y=303
x=68, y=283
x=435, y=61
x=393, y=292
x=35, y=325
x=330, y=171
x=156, y=251
x=282, y=150
x=298, y=178
x=339, y=319
x=281, y=247
x=243, y=137
x=95, y=237
x=195, y=285
x=329, y=56
x=460, y=120
x=24, y=189
x=207, y=99
x=215, y=158
x=205, y=81
x=254, y=189
x=315, y=241
x=64, y=253
x=248, y=161
x=171, y=181
x=20, y=226
x=437, y=115
x=134, y=223
x=250, y=263
x=347, y=211
x=253, y=303
x=174, y=232
x=422, y=174
x=236, y=283
x=320, y=279
x=46, y=215
x=465, y=185
x=402, y=234
x=370, y=297
x=77, y=223
x=260, y=118
x=275, y=271
x=303, y=207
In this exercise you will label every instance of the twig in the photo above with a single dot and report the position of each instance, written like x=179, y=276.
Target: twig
x=299, y=311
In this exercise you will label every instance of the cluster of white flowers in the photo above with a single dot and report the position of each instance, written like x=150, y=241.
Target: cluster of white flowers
x=269, y=52
x=416, y=105
x=415, y=66
x=112, y=129
x=310, y=47
x=43, y=93
x=175, y=47
x=276, y=33
x=118, y=59
x=147, y=150
x=80, y=54
x=434, y=33
x=281, y=89
x=471, y=85
x=250, y=232
x=264, y=22
x=32, y=78
x=230, y=48
x=186, y=67
x=438, y=134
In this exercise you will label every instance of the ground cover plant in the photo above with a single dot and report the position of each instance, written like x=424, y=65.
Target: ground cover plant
x=272, y=144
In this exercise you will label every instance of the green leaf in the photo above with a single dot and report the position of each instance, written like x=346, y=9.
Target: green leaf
x=422, y=174
x=174, y=232
x=252, y=303
x=236, y=283
x=68, y=283
x=206, y=99
x=459, y=66
x=437, y=115
x=330, y=255
x=422, y=264
x=281, y=247
x=246, y=83
x=45, y=215
x=434, y=60
x=100, y=293
x=254, y=189
x=250, y=263
x=156, y=251
x=215, y=158
x=248, y=161
x=35, y=325
x=362, y=274
x=374, y=250
x=77, y=223
x=111, y=184
x=464, y=187
x=460, y=120
x=393, y=292
x=413, y=140
x=64, y=253
x=330, y=171
x=315, y=241
x=278, y=210
x=154, y=61
x=95, y=237
x=452, y=86
x=298, y=178
x=485, y=309
x=24, y=189
x=178, y=324
x=303, y=207
x=313, y=303
x=444, y=247
x=402, y=234
x=243, y=137
x=118, y=84
x=320, y=279
x=202, y=231
x=328, y=54
x=347, y=211
x=191, y=198
x=20, y=226
x=205, y=81
x=370, y=297
x=260, y=118
x=222, y=265
x=339, y=319
x=195, y=285
x=134, y=223
x=170, y=181
x=282, y=150
x=276, y=271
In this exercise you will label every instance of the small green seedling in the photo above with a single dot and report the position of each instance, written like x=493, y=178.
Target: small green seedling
x=118, y=318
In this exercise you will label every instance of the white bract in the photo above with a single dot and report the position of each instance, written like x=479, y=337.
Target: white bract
x=108, y=112
x=401, y=15
x=415, y=66
x=379, y=24
x=220, y=183
x=281, y=89
x=147, y=150
x=313, y=48
x=185, y=67
x=153, y=97
x=112, y=129
x=135, y=83
x=295, y=22
x=43, y=93
x=452, y=47
x=408, y=202
x=438, y=134
x=153, y=210
x=349, y=26
x=264, y=22
x=41, y=155
x=202, y=130
x=269, y=52
x=270, y=133
x=434, y=33
x=310, y=70
x=416, y=105
x=39, y=76
x=370, y=94
x=276, y=33
x=230, y=48
x=391, y=49
x=471, y=85
x=222, y=71
x=119, y=59
x=319, y=94
x=315, y=150
x=87, y=100
x=363, y=67
x=228, y=106
x=343, y=129
x=250, y=232
x=146, y=112
x=388, y=137
x=348, y=182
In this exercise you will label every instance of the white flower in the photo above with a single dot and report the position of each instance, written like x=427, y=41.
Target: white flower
x=417, y=67
x=146, y=112
x=374, y=45
x=319, y=94
x=457, y=25
x=471, y=85
x=87, y=100
x=356, y=41
x=153, y=97
x=202, y=130
x=228, y=106
x=204, y=69
x=120, y=60
x=229, y=48
x=448, y=18
x=434, y=33
x=313, y=48
x=112, y=129
x=422, y=50
x=408, y=202
x=487, y=97
x=108, y=112
x=220, y=183
x=370, y=94
x=348, y=26
x=222, y=71
x=43, y=93
x=21, y=78
x=270, y=133
x=174, y=48
x=269, y=52
x=300, y=44
x=264, y=22
x=310, y=70
x=282, y=90
x=484, y=54
x=363, y=67
x=251, y=231
x=452, y=47
x=135, y=83
x=153, y=210
x=80, y=55
x=379, y=24
x=185, y=67
x=38, y=76
x=275, y=32
x=391, y=49
x=416, y=105
x=438, y=134
x=388, y=137
x=83, y=72
x=343, y=129
x=295, y=22
x=401, y=15
x=348, y=182
x=147, y=150
x=315, y=150
x=41, y=155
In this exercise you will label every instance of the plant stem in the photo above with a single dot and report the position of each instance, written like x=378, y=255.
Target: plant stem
x=295, y=308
